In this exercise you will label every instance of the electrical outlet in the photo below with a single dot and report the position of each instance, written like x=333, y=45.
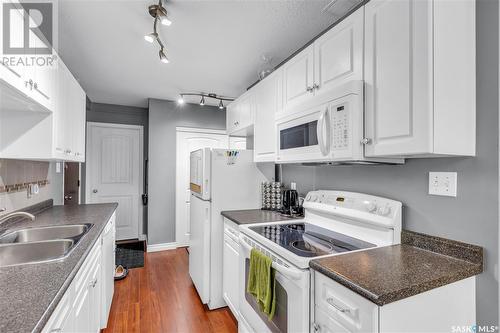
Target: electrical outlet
x=443, y=183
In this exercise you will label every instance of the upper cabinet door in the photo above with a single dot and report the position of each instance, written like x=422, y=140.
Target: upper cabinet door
x=267, y=103
x=298, y=78
x=338, y=54
x=11, y=73
x=246, y=109
x=398, y=77
x=231, y=116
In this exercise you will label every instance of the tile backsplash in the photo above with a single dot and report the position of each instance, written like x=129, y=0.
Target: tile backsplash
x=17, y=175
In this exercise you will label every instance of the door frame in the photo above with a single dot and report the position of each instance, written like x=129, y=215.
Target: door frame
x=180, y=129
x=79, y=179
x=92, y=124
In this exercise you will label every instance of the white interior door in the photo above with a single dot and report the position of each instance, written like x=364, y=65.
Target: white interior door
x=189, y=139
x=114, y=173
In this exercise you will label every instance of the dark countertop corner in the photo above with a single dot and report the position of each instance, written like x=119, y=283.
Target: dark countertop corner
x=390, y=273
x=249, y=216
x=31, y=292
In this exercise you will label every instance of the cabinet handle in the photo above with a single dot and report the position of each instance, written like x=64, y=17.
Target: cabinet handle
x=316, y=327
x=310, y=89
x=366, y=141
x=332, y=303
x=93, y=283
x=315, y=86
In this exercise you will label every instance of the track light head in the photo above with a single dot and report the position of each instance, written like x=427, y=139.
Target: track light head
x=163, y=56
x=151, y=37
x=221, y=105
x=202, y=102
x=158, y=11
x=180, y=101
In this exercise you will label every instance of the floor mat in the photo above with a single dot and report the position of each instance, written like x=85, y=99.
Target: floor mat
x=130, y=255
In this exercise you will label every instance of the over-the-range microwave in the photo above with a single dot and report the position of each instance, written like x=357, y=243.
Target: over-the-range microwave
x=331, y=131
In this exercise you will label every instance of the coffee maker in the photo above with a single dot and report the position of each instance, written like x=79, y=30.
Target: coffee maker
x=290, y=200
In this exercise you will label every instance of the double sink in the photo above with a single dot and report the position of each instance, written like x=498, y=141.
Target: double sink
x=40, y=244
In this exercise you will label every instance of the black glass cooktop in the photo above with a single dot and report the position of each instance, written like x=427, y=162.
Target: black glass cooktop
x=307, y=240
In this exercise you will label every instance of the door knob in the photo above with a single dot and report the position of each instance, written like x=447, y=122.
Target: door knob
x=94, y=190
x=68, y=197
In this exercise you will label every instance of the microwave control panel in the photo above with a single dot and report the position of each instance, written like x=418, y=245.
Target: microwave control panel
x=340, y=122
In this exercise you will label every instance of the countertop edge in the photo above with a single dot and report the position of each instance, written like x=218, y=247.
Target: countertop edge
x=472, y=270
x=55, y=301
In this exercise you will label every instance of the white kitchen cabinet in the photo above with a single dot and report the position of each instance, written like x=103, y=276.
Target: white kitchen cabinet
x=230, y=267
x=240, y=114
x=10, y=74
x=268, y=103
x=339, y=309
x=69, y=118
x=298, y=78
x=338, y=54
x=419, y=78
x=62, y=318
x=83, y=307
x=108, y=269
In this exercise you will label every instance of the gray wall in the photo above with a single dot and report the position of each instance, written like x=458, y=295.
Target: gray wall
x=118, y=114
x=164, y=117
x=470, y=217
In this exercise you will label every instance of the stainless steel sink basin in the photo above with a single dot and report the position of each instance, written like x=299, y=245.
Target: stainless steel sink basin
x=72, y=232
x=25, y=253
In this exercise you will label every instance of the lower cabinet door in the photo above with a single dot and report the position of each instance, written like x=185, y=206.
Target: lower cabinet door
x=82, y=312
x=230, y=281
x=61, y=319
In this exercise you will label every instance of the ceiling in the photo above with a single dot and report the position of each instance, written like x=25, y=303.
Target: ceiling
x=213, y=46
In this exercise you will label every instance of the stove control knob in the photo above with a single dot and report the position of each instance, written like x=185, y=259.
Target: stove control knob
x=385, y=210
x=371, y=206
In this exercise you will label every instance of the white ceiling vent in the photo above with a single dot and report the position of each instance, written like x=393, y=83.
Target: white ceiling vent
x=339, y=8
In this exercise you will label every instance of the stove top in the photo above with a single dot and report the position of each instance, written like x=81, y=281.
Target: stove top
x=308, y=240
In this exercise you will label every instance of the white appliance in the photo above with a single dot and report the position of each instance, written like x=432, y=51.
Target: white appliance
x=220, y=180
x=332, y=131
x=334, y=223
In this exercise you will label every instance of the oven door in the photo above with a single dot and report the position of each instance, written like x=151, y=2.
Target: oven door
x=306, y=138
x=292, y=295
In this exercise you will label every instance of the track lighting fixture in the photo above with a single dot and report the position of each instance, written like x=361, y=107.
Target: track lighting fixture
x=181, y=101
x=160, y=14
x=151, y=37
x=163, y=57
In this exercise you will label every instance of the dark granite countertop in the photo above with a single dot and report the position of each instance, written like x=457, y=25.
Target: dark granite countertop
x=249, y=216
x=388, y=274
x=30, y=293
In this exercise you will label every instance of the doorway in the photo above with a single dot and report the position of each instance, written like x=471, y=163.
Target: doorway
x=188, y=140
x=114, y=173
x=72, y=183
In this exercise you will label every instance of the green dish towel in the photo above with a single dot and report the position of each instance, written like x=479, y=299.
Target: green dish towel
x=261, y=282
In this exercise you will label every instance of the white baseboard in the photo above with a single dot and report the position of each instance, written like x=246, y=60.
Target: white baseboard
x=162, y=247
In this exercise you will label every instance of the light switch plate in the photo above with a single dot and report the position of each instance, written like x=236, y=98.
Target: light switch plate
x=58, y=167
x=443, y=183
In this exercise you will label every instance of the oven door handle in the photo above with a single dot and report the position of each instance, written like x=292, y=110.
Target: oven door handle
x=291, y=273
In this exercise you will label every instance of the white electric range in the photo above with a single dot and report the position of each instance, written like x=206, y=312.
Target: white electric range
x=334, y=223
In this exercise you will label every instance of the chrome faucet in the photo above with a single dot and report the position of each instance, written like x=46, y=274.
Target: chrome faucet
x=15, y=214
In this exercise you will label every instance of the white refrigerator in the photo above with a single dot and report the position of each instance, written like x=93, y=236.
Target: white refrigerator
x=220, y=179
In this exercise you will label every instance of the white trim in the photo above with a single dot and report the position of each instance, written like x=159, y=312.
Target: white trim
x=140, y=128
x=200, y=130
x=162, y=247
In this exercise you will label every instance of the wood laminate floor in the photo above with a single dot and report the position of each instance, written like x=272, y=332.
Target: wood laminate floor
x=160, y=297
